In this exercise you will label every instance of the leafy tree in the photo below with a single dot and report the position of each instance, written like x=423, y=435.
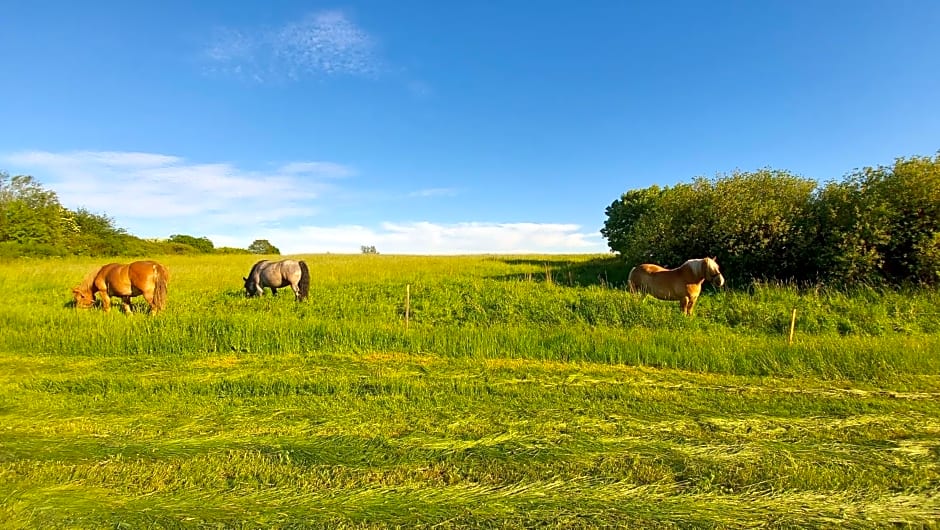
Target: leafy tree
x=29, y=213
x=927, y=259
x=910, y=193
x=368, y=249
x=751, y=221
x=624, y=214
x=882, y=223
x=201, y=244
x=230, y=250
x=850, y=230
x=661, y=234
x=756, y=223
x=95, y=234
x=262, y=246
x=877, y=224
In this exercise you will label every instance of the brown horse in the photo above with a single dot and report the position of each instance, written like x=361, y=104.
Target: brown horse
x=147, y=278
x=684, y=283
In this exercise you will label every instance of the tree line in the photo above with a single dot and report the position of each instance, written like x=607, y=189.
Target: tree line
x=34, y=223
x=877, y=225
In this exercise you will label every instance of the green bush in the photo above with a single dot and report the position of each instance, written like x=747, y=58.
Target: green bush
x=878, y=225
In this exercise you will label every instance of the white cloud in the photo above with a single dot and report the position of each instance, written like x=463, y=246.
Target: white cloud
x=141, y=188
x=101, y=158
x=430, y=238
x=154, y=195
x=320, y=43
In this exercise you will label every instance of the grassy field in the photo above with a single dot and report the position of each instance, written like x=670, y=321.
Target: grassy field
x=527, y=391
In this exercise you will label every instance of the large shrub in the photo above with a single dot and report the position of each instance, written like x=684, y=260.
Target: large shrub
x=752, y=222
x=878, y=224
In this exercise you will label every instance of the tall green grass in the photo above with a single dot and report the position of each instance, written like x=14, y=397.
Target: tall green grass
x=485, y=307
x=523, y=392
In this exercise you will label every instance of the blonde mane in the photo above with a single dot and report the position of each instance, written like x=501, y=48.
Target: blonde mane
x=712, y=267
x=702, y=267
x=87, y=282
x=697, y=266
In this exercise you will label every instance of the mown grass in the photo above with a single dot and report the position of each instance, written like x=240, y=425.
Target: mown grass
x=523, y=393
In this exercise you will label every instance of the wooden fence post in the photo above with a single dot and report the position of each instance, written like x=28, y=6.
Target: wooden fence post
x=407, y=304
x=792, y=326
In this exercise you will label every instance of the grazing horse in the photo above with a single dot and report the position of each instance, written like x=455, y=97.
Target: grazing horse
x=277, y=274
x=147, y=278
x=684, y=283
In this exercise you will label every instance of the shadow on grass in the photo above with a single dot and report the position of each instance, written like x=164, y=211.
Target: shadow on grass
x=604, y=272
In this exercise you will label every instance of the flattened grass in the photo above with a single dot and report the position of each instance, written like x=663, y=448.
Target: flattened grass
x=510, y=401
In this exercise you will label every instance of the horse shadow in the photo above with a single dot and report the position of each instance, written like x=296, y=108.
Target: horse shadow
x=609, y=271
x=137, y=306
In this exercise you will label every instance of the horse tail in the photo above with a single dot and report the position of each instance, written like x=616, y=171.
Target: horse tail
x=631, y=280
x=160, y=278
x=304, y=284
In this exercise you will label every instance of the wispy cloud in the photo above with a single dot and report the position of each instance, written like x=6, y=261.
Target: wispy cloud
x=431, y=238
x=112, y=159
x=434, y=192
x=142, y=187
x=227, y=44
x=317, y=169
x=321, y=43
x=155, y=195
x=325, y=42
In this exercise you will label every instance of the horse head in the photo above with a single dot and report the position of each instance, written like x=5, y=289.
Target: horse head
x=83, y=298
x=712, y=273
x=252, y=288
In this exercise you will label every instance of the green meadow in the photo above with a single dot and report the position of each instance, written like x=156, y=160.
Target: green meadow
x=464, y=392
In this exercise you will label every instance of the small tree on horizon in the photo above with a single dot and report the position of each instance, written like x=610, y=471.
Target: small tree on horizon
x=202, y=244
x=263, y=246
x=368, y=249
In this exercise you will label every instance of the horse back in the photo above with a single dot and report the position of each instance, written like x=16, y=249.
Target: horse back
x=662, y=283
x=258, y=268
x=650, y=268
x=271, y=273
x=142, y=275
x=111, y=273
x=288, y=271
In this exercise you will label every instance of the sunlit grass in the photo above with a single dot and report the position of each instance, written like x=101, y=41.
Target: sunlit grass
x=509, y=401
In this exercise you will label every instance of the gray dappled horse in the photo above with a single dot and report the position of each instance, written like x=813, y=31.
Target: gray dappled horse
x=277, y=274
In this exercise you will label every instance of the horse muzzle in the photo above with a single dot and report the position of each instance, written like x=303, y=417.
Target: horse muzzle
x=718, y=281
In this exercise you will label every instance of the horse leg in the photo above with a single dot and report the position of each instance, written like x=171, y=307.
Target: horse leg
x=273, y=291
x=105, y=301
x=148, y=296
x=686, y=305
x=692, y=300
x=126, y=302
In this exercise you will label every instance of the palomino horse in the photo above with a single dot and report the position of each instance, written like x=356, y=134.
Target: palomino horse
x=684, y=283
x=277, y=274
x=147, y=278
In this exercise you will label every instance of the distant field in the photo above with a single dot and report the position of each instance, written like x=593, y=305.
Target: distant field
x=525, y=391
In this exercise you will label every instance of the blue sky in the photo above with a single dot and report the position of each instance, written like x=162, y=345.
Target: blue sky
x=435, y=127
